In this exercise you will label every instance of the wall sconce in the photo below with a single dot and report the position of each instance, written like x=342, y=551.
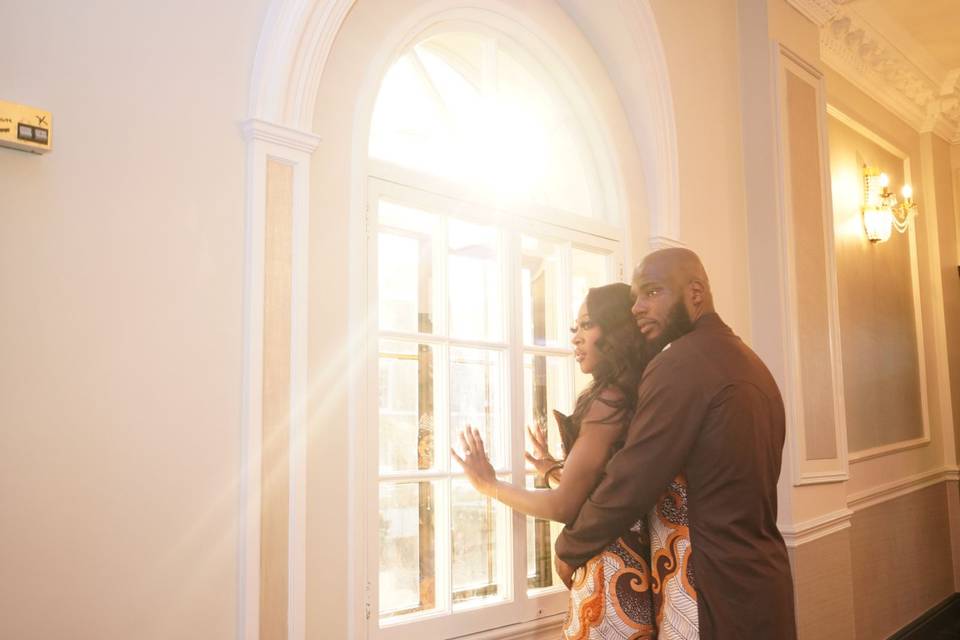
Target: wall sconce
x=881, y=211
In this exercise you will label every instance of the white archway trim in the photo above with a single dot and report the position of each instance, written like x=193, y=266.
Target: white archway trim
x=626, y=37
x=296, y=39
x=299, y=34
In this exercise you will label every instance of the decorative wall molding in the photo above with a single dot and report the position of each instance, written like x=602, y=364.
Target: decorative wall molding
x=295, y=139
x=928, y=99
x=267, y=140
x=809, y=530
x=816, y=528
x=806, y=469
x=891, y=490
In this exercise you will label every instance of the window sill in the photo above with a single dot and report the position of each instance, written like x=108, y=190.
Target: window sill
x=547, y=627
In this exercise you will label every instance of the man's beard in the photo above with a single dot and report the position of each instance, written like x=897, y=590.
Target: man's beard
x=678, y=324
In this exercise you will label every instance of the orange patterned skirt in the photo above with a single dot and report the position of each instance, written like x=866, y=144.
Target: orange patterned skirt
x=611, y=597
x=642, y=586
x=674, y=587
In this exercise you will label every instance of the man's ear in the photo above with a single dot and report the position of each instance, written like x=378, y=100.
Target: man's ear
x=696, y=292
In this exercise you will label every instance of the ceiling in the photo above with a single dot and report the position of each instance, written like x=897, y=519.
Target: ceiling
x=903, y=53
x=932, y=26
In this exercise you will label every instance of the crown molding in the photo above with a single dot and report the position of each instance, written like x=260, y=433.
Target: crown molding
x=819, y=12
x=876, y=64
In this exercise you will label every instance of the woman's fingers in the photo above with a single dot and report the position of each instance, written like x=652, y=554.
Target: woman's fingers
x=453, y=452
x=534, y=434
x=538, y=438
x=476, y=442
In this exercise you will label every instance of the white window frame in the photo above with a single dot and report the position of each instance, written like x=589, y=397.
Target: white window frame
x=430, y=194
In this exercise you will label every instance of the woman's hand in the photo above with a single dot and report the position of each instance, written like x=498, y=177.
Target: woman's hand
x=541, y=459
x=475, y=464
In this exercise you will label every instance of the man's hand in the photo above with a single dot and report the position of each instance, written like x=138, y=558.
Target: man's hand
x=564, y=571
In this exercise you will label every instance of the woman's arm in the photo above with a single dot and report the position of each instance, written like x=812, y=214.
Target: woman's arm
x=582, y=469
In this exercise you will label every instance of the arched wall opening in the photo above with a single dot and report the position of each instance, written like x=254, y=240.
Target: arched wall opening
x=318, y=69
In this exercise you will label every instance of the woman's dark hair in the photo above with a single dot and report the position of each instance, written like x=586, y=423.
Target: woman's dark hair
x=621, y=364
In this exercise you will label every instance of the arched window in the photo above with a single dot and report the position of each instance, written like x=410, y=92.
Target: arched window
x=491, y=210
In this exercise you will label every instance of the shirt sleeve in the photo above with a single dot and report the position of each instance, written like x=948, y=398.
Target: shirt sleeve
x=670, y=410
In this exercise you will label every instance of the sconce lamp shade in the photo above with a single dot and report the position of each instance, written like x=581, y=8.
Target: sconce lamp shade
x=881, y=211
x=878, y=224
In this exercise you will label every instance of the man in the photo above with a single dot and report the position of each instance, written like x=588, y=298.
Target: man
x=709, y=408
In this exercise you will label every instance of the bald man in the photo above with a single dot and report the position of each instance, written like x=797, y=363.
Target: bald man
x=708, y=409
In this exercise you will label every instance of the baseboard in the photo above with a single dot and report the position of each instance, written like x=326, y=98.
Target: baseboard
x=928, y=619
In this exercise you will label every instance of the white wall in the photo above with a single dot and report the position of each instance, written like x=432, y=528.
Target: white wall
x=120, y=318
x=700, y=42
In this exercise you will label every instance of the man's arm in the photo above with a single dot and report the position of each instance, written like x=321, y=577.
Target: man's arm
x=670, y=410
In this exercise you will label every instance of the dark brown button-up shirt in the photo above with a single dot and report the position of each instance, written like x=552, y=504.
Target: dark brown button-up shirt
x=710, y=408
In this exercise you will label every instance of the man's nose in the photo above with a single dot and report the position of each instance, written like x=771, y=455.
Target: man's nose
x=638, y=308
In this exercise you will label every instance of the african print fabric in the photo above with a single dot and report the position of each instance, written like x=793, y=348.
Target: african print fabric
x=611, y=597
x=672, y=579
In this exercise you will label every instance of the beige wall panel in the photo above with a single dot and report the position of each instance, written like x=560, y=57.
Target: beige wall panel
x=275, y=494
x=953, y=512
x=876, y=298
x=953, y=324
x=944, y=189
x=901, y=552
x=806, y=199
x=822, y=574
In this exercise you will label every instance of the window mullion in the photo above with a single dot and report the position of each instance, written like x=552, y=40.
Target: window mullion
x=443, y=573
x=441, y=428
x=372, y=457
x=517, y=443
x=443, y=512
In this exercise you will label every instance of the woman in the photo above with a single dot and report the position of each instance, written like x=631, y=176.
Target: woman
x=611, y=596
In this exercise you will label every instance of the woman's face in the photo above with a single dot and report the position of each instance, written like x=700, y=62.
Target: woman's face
x=585, y=336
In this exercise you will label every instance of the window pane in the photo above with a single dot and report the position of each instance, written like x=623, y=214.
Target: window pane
x=476, y=306
x=590, y=269
x=546, y=386
x=475, y=110
x=477, y=397
x=407, y=401
x=541, y=536
x=547, y=160
x=479, y=562
x=428, y=104
x=405, y=268
x=407, y=553
x=541, y=287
